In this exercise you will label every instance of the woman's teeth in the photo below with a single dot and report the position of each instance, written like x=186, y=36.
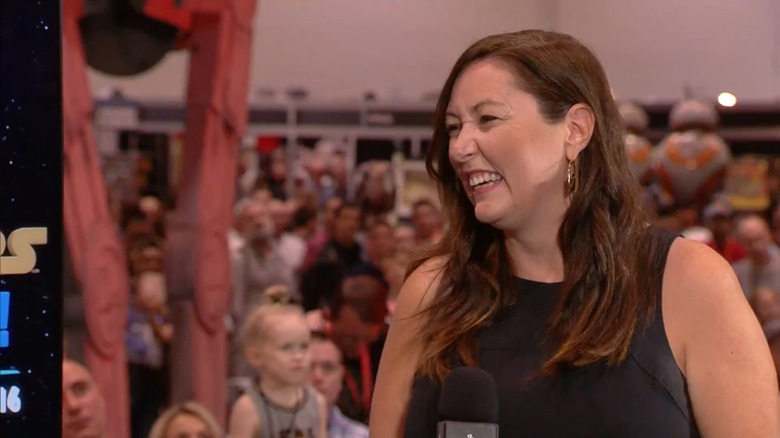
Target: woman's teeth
x=484, y=179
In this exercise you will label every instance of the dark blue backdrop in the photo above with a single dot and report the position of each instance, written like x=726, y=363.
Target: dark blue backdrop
x=31, y=196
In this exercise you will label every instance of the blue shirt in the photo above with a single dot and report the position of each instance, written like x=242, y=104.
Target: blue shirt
x=340, y=426
x=142, y=345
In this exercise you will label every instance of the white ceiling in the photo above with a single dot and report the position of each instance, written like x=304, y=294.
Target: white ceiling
x=403, y=48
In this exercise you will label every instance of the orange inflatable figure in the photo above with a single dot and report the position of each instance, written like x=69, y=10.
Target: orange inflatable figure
x=639, y=150
x=693, y=159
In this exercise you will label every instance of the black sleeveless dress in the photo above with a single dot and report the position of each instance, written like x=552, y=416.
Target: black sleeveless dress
x=645, y=396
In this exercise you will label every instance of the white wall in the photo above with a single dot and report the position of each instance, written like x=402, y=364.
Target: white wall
x=651, y=49
x=345, y=47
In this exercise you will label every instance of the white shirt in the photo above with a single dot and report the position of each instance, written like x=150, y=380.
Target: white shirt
x=292, y=248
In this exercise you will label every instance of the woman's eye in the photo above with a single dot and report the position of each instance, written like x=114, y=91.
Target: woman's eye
x=487, y=119
x=452, y=129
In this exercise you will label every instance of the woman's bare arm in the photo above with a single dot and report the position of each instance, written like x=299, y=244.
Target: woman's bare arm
x=719, y=345
x=401, y=353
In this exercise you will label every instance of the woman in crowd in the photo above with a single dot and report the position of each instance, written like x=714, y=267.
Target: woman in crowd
x=186, y=420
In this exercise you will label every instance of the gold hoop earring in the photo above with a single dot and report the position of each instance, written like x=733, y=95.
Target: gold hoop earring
x=571, y=178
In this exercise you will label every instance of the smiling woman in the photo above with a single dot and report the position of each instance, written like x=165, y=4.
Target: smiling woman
x=550, y=277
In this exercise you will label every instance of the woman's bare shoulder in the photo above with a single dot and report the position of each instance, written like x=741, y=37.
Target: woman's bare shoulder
x=695, y=272
x=420, y=287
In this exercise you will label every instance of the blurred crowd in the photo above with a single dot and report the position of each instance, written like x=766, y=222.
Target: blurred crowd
x=317, y=262
x=314, y=258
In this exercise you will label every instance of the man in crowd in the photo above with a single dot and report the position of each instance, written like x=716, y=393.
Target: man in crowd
x=327, y=376
x=83, y=406
x=320, y=281
x=428, y=223
x=356, y=322
x=357, y=326
x=380, y=243
x=343, y=247
x=761, y=267
x=719, y=219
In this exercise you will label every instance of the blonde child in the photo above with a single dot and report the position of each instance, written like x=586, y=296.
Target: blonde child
x=276, y=345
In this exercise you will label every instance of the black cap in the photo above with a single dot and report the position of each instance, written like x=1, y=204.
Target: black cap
x=469, y=395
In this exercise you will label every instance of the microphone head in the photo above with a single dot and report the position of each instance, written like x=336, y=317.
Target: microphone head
x=469, y=395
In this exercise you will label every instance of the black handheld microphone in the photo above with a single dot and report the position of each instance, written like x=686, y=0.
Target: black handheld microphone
x=468, y=406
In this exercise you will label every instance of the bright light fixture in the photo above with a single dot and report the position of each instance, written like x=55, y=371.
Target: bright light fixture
x=727, y=99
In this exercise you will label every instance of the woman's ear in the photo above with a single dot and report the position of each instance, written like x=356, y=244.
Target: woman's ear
x=579, y=123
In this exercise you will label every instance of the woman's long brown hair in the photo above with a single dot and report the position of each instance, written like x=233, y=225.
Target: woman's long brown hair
x=605, y=293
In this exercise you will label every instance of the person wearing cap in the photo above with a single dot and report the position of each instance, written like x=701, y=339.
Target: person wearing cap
x=718, y=218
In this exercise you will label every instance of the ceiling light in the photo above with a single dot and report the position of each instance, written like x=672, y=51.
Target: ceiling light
x=727, y=99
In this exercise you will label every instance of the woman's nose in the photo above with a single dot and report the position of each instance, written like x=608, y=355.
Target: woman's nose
x=463, y=147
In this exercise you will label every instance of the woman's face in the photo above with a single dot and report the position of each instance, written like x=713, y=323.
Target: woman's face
x=511, y=162
x=188, y=426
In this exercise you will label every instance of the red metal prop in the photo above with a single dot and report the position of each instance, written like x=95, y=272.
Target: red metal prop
x=198, y=263
x=219, y=33
x=99, y=263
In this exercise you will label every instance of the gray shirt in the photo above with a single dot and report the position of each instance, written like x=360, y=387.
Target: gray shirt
x=751, y=277
x=280, y=422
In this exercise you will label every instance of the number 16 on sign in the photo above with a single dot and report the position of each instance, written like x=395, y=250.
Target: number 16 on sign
x=10, y=400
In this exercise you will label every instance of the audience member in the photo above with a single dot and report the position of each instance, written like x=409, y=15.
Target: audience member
x=324, y=233
x=186, y=420
x=280, y=213
x=321, y=280
x=146, y=256
x=276, y=345
x=394, y=270
x=148, y=331
x=428, y=222
x=154, y=210
x=766, y=305
x=292, y=244
x=327, y=376
x=374, y=190
x=259, y=265
x=343, y=248
x=718, y=217
x=380, y=243
x=356, y=324
x=135, y=227
x=319, y=284
x=83, y=406
x=404, y=240
x=761, y=267
x=247, y=216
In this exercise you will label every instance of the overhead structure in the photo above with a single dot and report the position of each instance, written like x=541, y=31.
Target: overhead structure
x=126, y=37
